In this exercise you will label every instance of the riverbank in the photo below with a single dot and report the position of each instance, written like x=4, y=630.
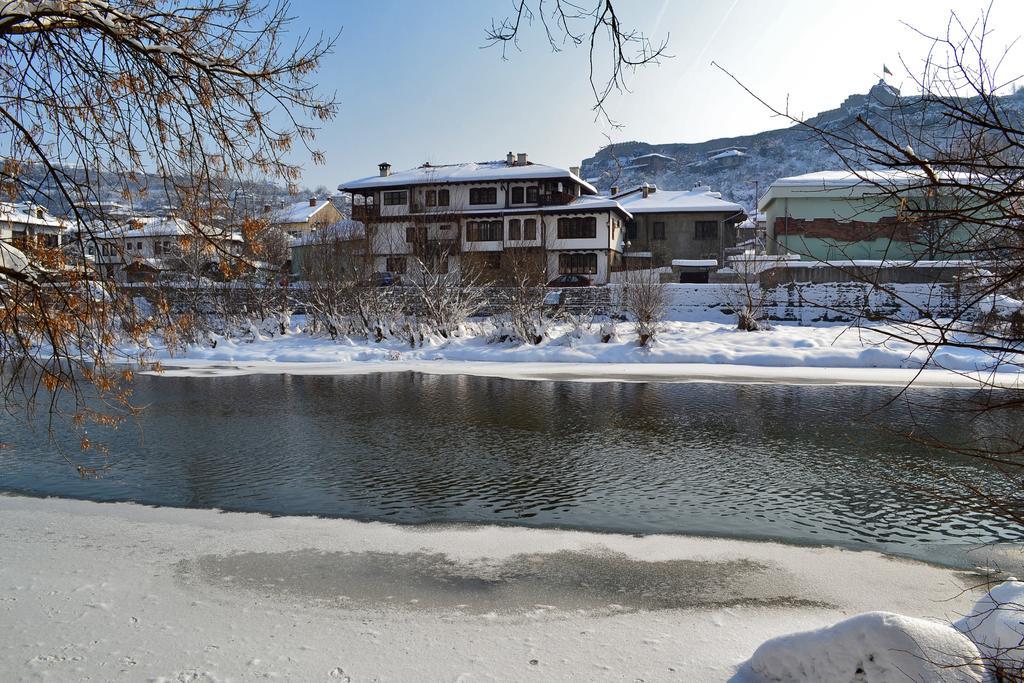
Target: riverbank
x=694, y=351
x=125, y=592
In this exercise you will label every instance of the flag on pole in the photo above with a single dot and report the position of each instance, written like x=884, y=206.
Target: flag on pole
x=885, y=70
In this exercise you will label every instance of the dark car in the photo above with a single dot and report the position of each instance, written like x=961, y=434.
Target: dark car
x=570, y=281
x=384, y=279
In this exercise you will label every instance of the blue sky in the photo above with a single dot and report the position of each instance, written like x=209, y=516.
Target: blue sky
x=415, y=85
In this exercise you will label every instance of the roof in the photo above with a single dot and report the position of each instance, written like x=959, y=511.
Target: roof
x=472, y=172
x=158, y=226
x=17, y=214
x=695, y=263
x=652, y=156
x=859, y=183
x=699, y=199
x=727, y=154
x=298, y=212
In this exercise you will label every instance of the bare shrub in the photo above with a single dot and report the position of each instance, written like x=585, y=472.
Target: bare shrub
x=645, y=298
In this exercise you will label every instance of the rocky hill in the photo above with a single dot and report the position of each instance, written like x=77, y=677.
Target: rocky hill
x=743, y=167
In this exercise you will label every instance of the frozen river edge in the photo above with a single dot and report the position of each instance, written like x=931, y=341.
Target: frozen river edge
x=117, y=591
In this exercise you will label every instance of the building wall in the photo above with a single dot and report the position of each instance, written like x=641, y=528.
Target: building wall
x=680, y=237
x=836, y=226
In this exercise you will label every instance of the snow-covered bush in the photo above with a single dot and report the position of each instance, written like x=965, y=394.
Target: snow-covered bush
x=996, y=625
x=644, y=299
x=877, y=647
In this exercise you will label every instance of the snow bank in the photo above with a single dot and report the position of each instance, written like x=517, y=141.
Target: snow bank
x=996, y=625
x=877, y=647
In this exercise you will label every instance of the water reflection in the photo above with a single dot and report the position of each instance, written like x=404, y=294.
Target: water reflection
x=806, y=464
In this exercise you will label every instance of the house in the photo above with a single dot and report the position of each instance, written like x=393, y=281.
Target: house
x=30, y=225
x=301, y=219
x=494, y=214
x=669, y=225
x=652, y=163
x=144, y=249
x=862, y=215
x=341, y=246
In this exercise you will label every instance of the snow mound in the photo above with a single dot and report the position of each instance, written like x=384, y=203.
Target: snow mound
x=996, y=625
x=876, y=647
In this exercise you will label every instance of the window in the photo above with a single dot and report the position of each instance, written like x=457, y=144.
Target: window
x=444, y=228
x=128, y=246
x=705, y=230
x=416, y=235
x=484, y=231
x=581, y=228
x=517, y=195
x=91, y=251
x=396, y=264
x=577, y=264
x=138, y=245
x=658, y=233
x=483, y=195
x=515, y=229
x=395, y=198
x=531, y=195
x=530, y=229
x=442, y=198
x=431, y=197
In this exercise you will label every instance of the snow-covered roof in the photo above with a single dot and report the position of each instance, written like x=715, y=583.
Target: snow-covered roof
x=652, y=156
x=698, y=199
x=29, y=214
x=298, y=212
x=727, y=154
x=159, y=226
x=859, y=183
x=343, y=229
x=473, y=172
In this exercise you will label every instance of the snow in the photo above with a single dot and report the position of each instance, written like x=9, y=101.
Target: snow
x=996, y=625
x=877, y=647
x=204, y=595
x=676, y=201
x=298, y=212
x=684, y=351
x=727, y=154
x=472, y=172
x=582, y=203
x=867, y=177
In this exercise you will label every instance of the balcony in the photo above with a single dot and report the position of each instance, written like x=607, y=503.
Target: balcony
x=365, y=212
x=556, y=199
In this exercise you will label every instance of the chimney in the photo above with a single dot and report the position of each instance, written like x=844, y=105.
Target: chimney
x=615, y=190
x=385, y=169
x=312, y=200
x=646, y=189
x=521, y=160
x=510, y=159
x=575, y=170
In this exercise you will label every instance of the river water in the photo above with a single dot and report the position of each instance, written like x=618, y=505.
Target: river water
x=802, y=464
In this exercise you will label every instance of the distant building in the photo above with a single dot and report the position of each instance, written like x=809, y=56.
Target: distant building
x=838, y=215
x=670, y=225
x=146, y=249
x=300, y=219
x=651, y=163
x=29, y=225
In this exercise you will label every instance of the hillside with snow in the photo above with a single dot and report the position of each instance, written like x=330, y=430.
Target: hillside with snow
x=743, y=167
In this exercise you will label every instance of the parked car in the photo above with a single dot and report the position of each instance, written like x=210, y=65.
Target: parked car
x=570, y=281
x=384, y=279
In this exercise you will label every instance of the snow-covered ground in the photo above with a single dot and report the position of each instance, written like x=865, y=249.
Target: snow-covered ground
x=93, y=591
x=684, y=351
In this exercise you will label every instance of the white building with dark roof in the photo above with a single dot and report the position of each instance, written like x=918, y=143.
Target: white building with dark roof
x=491, y=212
